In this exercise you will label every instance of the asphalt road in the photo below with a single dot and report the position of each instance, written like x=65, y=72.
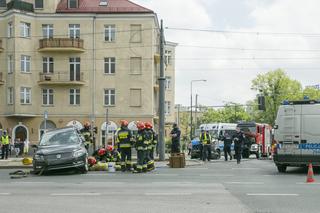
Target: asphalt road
x=253, y=186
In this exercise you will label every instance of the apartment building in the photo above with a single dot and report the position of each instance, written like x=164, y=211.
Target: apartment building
x=64, y=62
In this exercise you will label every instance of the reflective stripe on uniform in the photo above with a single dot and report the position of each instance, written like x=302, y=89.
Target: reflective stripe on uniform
x=5, y=140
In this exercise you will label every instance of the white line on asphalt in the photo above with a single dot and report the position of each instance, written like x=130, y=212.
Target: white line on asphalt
x=4, y=193
x=245, y=183
x=167, y=193
x=264, y=194
x=75, y=194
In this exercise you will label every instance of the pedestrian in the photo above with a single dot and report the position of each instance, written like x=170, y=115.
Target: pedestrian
x=17, y=146
x=124, y=142
x=238, y=139
x=141, y=148
x=5, y=141
x=175, y=139
x=26, y=147
x=205, y=140
x=189, y=148
x=227, y=141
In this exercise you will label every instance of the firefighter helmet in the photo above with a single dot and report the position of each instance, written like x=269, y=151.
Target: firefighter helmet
x=124, y=123
x=148, y=125
x=101, y=152
x=109, y=148
x=140, y=125
x=92, y=161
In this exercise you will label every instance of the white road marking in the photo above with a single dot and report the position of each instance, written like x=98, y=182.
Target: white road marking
x=75, y=194
x=4, y=193
x=167, y=193
x=264, y=194
x=245, y=183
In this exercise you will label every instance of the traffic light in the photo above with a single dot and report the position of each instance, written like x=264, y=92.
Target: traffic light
x=261, y=103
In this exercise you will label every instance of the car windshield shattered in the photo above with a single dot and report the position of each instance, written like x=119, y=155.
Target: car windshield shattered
x=59, y=138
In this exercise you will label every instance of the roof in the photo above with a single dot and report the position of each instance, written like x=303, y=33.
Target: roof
x=92, y=6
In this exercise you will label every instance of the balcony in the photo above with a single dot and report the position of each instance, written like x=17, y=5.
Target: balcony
x=1, y=79
x=1, y=48
x=61, y=45
x=20, y=5
x=61, y=79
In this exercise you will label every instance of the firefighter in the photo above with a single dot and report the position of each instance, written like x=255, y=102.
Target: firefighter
x=238, y=139
x=205, y=140
x=124, y=142
x=5, y=145
x=86, y=132
x=151, y=140
x=141, y=148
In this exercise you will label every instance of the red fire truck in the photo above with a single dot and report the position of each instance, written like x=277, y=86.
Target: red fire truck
x=258, y=139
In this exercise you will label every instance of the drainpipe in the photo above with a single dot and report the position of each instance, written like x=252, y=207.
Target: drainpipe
x=93, y=83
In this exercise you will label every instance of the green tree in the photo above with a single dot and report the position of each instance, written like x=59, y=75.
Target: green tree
x=312, y=93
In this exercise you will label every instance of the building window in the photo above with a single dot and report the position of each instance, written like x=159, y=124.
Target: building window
x=168, y=57
x=135, y=65
x=109, y=33
x=168, y=83
x=10, y=95
x=167, y=109
x=48, y=65
x=109, y=97
x=135, y=97
x=109, y=65
x=25, y=30
x=3, y=3
x=25, y=95
x=10, y=64
x=74, y=30
x=47, y=30
x=10, y=30
x=135, y=33
x=47, y=96
x=25, y=63
x=74, y=69
x=38, y=4
x=74, y=96
x=73, y=3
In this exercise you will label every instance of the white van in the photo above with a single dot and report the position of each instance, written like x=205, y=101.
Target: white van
x=297, y=133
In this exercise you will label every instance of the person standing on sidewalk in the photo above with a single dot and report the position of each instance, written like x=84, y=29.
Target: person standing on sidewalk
x=205, y=140
x=124, y=141
x=141, y=148
x=175, y=139
x=227, y=141
x=5, y=145
x=238, y=139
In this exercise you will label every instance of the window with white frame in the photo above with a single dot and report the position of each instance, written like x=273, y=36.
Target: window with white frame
x=3, y=3
x=47, y=97
x=109, y=65
x=10, y=95
x=72, y=3
x=10, y=64
x=25, y=29
x=38, y=4
x=135, y=33
x=10, y=30
x=74, y=96
x=74, y=30
x=25, y=63
x=47, y=30
x=47, y=65
x=109, y=33
x=75, y=69
x=168, y=83
x=135, y=65
x=109, y=97
x=25, y=95
x=168, y=57
x=167, y=109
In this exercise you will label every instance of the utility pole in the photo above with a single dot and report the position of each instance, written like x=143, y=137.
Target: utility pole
x=195, y=112
x=178, y=117
x=161, y=97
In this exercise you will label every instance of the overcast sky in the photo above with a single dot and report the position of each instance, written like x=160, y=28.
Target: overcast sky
x=245, y=38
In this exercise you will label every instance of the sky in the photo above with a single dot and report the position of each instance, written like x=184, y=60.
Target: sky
x=230, y=42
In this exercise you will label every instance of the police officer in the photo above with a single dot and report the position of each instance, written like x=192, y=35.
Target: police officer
x=238, y=139
x=175, y=139
x=124, y=141
x=205, y=140
x=151, y=140
x=5, y=145
x=227, y=141
x=86, y=133
x=141, y=148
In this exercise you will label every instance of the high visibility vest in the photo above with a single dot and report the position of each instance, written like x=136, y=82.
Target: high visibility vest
x=5, y=140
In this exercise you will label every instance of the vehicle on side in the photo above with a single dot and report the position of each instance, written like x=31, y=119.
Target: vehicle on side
x=258, y=139
x=61, y=149
x=297, y=133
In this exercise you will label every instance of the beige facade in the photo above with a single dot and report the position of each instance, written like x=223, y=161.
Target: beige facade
x=112, y=63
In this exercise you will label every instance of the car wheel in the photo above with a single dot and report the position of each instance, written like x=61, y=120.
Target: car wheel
x=218, y=154
x=85, y=168
x=282, y=168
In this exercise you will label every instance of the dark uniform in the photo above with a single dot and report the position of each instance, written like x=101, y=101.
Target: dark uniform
x=175, y=135
x=205, y=140
x=227, y=141
x=151, y=142
x=141, y=147
x=238, y=139
x=124, y=141
x=86, y=133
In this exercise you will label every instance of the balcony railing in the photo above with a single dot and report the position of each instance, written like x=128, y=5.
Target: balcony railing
x=61, y=44
x=61, y=78
x=1, y=79
x=20, y=5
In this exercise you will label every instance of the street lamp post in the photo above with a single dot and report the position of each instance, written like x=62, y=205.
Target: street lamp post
x=203, y=80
